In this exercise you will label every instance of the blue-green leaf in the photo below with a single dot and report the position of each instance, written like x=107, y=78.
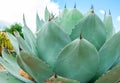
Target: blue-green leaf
x=35, y=67
x=92, y=29
x=108, y=25
x=24, y=45
x=109, y=54
x=6, y=77
x=39, y=23
x=51, y=39
x=112, y=76
x=70, y=20
x=62, y=15
x=78, y=60
x=14, y=42
x=29, y=37
x=10, y=58
x=14, y=71
x=47, y=14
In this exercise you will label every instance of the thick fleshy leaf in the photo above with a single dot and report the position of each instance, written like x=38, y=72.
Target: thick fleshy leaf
x=108, y=25
x=88, y=12
x=29, y=37
x=10, y=58
x=51, y=39
x=62, y=15
x=6, y=77
x=78, y=60
x=39, y=23
x=70, y=20
x=112, y=76
x=14, y=71
x=116, y=62
x=35, y=67
x=14, y=42
x=92, y=29
x=47, y=14
x=24, y=45
x=109, y=54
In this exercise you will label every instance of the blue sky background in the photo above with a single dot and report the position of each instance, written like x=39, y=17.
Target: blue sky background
x=11, y=11
x=84, y=6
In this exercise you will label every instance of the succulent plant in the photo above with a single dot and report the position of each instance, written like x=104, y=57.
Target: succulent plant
x=64, y=50
x=92, y=29
x=70, y=19
x=108, y=25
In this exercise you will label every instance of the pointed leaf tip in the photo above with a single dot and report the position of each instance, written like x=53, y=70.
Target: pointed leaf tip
x=92, y=7
x=75, y=5
x=46, y=14
x=109, y=12
x=36, y=13
x=65, y=5
x=51, y=17
x=80, y=36
x=92, y=11
x=24, y=22
x=55, y=76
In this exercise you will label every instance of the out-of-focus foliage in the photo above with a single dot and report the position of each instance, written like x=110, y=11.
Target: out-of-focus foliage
x=14, y=27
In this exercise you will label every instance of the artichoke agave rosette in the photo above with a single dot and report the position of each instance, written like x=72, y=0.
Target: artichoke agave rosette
x=58, y=50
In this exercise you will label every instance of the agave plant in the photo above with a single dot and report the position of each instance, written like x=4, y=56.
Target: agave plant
x=74, y=49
